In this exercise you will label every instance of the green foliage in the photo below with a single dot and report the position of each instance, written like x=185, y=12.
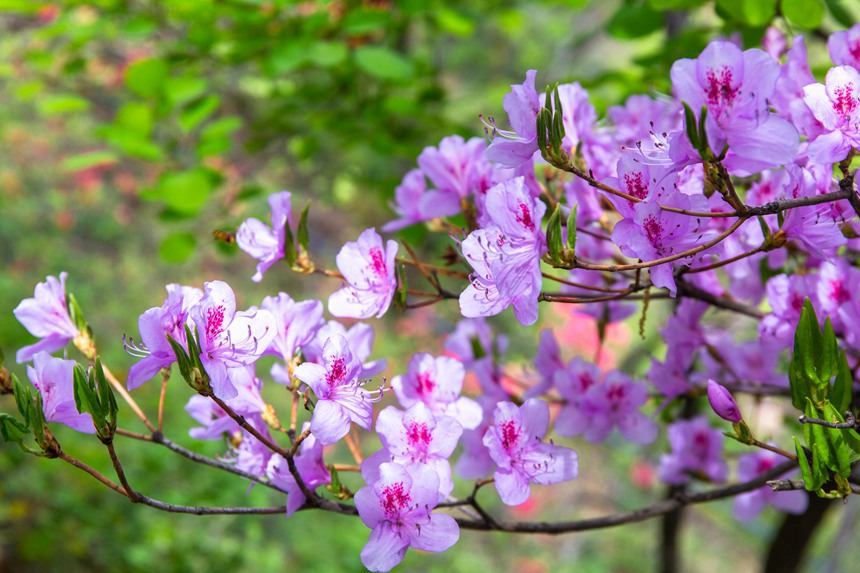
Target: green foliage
x=821, y=384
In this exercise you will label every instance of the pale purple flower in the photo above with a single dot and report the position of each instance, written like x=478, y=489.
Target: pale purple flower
x=473, y=340
x=214, y=421
x=512, y=148
x=813, y=226
x=573, y=382
x=515, y=441
x=748, y=505
x=310, y=466
x=580, y=133
x=437, y=383
x=642, y=115
x=296, y=324
x=264, y=243
x=340, y=397
x=844, y=47
x=359, y=337
x=785, y=294
x=369, y=270
x=653, y=233
x=736, y=87
x=457, y=168
x=54, y=379
x=836, y=289
x=697, y=449
x=416, y=204
x=615, y=403
x=229, y=339
x=506, y=255
x=645, y=182
x=475, y=461
x=416, y=436
x=836, y=104
x=547, y=362
x=787, y=100
x=248, y=453
x=155, y=325
x=397, y=507
x=774, y=42
x=723, y=403
x=46, y=316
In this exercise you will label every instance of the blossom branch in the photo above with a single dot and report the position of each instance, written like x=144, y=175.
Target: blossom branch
x=849, y=423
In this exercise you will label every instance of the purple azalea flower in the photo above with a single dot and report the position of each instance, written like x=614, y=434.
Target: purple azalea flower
x=215, y=421
x=723, y=403
x=736, y=87
x=637, y=178
x=836, y=104
x=785, y=295
x=844, y=47
x=437, y=382
x=748, y=505
x=415, y=204
x=641, y=115
x=506, y=255
x=522, y=458
x=813, y=226
x=788, y=102
x=457, y=168
x=573, y=383
x=835, y=290
x=249, y=454
x=653, y=233
x=580, y=118
x=46, y=316
x=229, y=339
x=547, y=362
x=340, y=397
x=473, y=340
x=416, y=437
x=512, y=148
x=359, y=337
x=54, y=379
x=155, y=325
x=369, y=270
x=696, y=449
x=398, y=507
x=296, y=324
x=475, y=461
x=615, y=403
x=264, y=243
x=773, y=42
x=311, y=467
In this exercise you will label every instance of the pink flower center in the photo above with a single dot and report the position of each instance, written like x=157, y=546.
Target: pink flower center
x=844, y=103
x=418, y=435
x=854, y=50
x=720, y=91
x=654, y=231
x=635, y=183
x=764, y=465
x=511, y=432
x=214, y=321
x=838, y=292
x=426, y=384
x=337, y=372
x=395, y=498
x=525, y=216
x=616, y=393
x=377, y=261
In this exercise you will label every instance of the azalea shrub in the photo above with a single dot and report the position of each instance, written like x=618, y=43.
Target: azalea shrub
x=733, y=198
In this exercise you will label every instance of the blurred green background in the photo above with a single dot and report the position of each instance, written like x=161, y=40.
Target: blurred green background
x=130, y=130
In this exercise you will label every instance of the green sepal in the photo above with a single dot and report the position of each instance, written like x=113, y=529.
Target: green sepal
x=805, y=470
x=402, y=287
x=690, y=126
x=765, y=228
x=571, y=230
x=75, y=312
x=554, y=244
x=302, y=231
x=558, y=120
x=541, y=132
x=183, y=361
x=11, y=430
x=289, y=246
x=23, y=398
x=108, y=400
x=703, y=135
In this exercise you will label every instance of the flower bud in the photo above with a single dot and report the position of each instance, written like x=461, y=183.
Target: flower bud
x=5, y=381
x=723, y=403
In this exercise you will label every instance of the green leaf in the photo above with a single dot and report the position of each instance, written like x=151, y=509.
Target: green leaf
x=23, y=398
x=805, y=470
x=554, y=244
x=136, y=117
x=146, y=77
x=758, y=12
x=289, y=246
x=86, y=399
x=11, y=430
x=177, y=247
x=634, y=21
x=454, y=22
x=302, y=231
x=840, y=395
x=61, y=104
x=843, y=453
x=804, y=13
x=571, y=229
x=827, y=364
x=363, y=21
x=197, y=112
x=383, y=63
x=840, y=13
x=86, y=160
x=182, y=89
x=675, y=4
x=690, y=126
x=186, y=192
x=327, y=54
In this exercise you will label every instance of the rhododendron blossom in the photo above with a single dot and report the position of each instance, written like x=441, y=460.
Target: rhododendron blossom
x=46, y=316
x=368, y=268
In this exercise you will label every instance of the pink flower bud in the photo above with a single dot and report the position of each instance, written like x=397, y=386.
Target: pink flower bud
x=722, y=403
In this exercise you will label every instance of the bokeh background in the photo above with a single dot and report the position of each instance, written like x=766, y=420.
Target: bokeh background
x=131, y=129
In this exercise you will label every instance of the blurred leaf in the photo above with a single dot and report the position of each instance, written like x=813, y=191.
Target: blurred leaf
x=840, y=13
x=87, y=160
x=634, y=21
x=177, y=247
x=136, y=117
x=327, y=54
x=383, y=63
x=182, y=89
x=185, y=192
x=803, y=13
x=197, y=112
x=454, y=22
x=62, y=104
x=676, y=4
x=759, y=12
x=287, y=57
x=27, y=6
x=365, y=21
x=146, y=77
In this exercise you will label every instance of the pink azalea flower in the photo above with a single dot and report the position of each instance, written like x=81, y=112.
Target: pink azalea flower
x=513, y=148
x=398, y=507
x=748, y=505
x=265, y=243
x=437, y=383
x=340, y=397
x=416, y=204
x=369, y=270
x=836, y=104
x=54, y=379
x=311, y=467
x=516, y=444
x=844, y=47
x=296, y=324
x=46, y=316
x=696, y=449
